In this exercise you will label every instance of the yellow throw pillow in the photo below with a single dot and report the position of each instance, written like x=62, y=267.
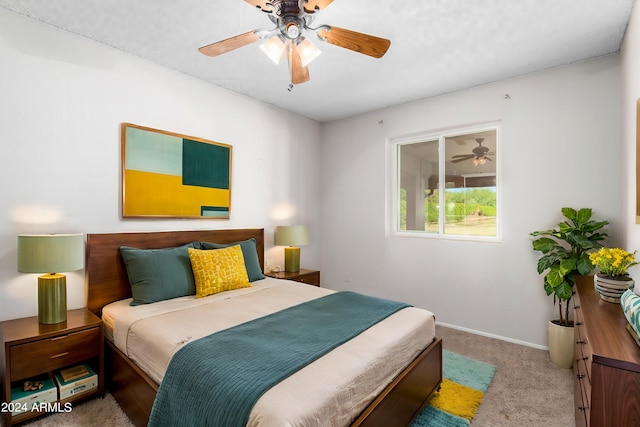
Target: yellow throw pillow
x=218, y=270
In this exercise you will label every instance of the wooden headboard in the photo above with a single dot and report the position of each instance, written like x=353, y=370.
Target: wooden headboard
x=106, y=275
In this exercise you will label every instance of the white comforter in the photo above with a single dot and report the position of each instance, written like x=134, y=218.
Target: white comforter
x=332, y=391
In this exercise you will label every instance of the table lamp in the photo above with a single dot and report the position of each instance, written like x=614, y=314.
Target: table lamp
x=51, y=253
x=292, y=236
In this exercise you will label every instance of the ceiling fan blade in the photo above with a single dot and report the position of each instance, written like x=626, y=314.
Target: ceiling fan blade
x=462, y=159
x=299, y=74
x=312, y=5
x=358, y=42
x=224, y=46
x=260, y=4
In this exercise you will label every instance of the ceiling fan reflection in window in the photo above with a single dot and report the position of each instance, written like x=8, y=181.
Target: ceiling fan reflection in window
x=480, y=154
x=292, y=19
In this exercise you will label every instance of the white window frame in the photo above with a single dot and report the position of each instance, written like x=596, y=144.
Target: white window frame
x=393, y=181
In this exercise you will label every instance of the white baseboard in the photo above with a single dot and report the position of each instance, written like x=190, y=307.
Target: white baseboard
x=498, y=337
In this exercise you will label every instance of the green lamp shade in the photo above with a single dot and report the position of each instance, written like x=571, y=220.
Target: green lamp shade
x=292, y=235
x=51, y=253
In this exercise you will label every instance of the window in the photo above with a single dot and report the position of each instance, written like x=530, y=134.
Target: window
x=446, y=184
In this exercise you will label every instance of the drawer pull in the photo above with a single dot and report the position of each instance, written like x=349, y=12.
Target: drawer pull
x=60, y=355
x=581, y=342
x=580, y=376
x=582, y=407
x=578, y=323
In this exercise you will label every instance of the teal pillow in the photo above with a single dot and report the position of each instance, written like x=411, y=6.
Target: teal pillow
x=159, y=274
x=630, y=303
x=249, y=252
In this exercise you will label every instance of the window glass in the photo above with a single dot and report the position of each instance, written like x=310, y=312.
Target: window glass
x=447, y=184
x=419, y=167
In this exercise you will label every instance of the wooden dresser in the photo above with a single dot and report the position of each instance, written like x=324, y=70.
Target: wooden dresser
x=607, y=362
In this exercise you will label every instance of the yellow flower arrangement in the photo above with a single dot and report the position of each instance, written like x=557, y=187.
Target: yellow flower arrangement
x=613, y=261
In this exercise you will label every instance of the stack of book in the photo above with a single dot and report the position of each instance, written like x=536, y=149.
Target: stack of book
x=75, y=380
x=30, y=394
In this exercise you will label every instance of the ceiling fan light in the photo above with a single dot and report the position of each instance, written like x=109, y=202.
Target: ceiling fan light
x=273, y=48
x=292, y=30
x=308, y=52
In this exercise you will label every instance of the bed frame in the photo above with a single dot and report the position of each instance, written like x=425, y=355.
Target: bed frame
x=398, y=404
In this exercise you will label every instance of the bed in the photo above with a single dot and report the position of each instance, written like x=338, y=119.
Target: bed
x=396, y=401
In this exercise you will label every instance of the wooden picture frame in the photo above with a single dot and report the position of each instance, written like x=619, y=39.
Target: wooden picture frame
x=170, y=175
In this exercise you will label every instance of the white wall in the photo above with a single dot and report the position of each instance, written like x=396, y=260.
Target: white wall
x=560, y=147
x=630, y=64
x=62, y=99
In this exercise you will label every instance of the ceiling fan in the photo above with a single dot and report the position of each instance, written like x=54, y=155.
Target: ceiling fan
x=292, y=19
x=479, y=154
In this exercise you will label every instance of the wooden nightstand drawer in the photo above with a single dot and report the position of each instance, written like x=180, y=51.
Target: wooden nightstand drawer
x=310, y=279
x=30, y=359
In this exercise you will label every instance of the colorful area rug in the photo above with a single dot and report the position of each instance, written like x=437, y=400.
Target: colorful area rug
x=464, y=382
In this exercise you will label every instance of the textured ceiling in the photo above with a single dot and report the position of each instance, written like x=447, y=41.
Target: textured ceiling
x=437, y=46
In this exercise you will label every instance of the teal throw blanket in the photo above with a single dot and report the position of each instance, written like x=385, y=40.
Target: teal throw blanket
x=216, y=380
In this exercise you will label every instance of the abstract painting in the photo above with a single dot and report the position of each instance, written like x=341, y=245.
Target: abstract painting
x=166, y=174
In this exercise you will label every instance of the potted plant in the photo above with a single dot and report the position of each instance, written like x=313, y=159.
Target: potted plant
x=565, y=255
x=613, y=278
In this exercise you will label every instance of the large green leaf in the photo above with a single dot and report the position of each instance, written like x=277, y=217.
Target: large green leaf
x=548, y=289
x=564, y=291
x=565, y=227
x=592, y=226
x=544, y=233
x=583, y=265
x=567, y=265
x=581, y=241
x=555, y=276
x=599, y=237
x=547, y=261
x=583, y=216
x=569, y=213
x=545, y=244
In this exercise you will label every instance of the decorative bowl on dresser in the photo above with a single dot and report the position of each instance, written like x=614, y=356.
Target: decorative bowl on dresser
x=607, y=362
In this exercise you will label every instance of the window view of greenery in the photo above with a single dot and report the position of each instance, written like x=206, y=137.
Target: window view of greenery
x=468, y=195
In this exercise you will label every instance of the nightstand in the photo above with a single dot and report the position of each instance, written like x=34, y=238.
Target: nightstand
x=30, y=349
x=310, y=277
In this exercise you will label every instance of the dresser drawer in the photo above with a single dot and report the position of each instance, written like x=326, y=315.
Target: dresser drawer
x=46, y=355
x=580, y=399
x=582, y=349
x=582, y=352
x=585, y=408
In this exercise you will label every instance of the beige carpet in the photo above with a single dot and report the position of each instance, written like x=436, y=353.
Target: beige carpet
x=103, y=412
x=527, y=390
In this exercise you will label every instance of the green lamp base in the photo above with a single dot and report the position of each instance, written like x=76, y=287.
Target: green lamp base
x=292, y=259
x=52, y=299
